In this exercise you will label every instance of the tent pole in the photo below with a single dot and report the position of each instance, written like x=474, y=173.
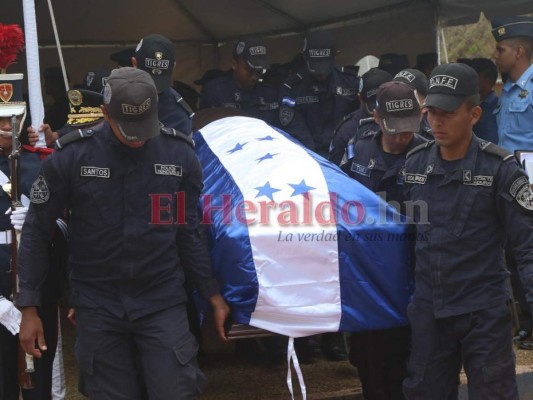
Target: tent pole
x=58, y=44
x=437, y=35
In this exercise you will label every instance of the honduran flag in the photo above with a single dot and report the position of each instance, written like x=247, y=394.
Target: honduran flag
x=299, y=247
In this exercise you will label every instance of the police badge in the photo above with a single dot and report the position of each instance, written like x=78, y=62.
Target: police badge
x=523, y=94
x=6, y=92
x=286, y=114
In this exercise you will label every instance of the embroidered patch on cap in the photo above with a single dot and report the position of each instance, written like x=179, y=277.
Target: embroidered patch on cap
x=443, y=80
x=399, y=105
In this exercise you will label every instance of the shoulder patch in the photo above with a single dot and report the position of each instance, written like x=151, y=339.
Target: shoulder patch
x=72, y=137
x=178, y=135
x=39, y=192
x=491, y=148
x=420, y=147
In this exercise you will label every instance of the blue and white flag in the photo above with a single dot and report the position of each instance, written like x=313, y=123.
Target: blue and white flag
x=299, y=247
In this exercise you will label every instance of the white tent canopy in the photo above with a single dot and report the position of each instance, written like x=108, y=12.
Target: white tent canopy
x=204, y=31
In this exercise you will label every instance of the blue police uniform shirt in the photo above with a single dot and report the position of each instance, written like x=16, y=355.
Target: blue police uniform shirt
x=344, y=131
x=467, y=209
x=260, y=101
x=487, y=127
x=311, y=109
x=126, y=256
x=172, y=114
x=515, y=113
x=30, y=165
x=372, y=167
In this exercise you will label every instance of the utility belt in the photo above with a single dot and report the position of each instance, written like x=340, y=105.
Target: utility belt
x=6, y=237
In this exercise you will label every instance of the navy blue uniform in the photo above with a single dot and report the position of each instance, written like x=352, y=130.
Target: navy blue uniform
x=174, y=112
x=487, y=127
x=261, y=101
x=344, y=131
x=458, y=314
x=311, y=109
x=127, y=253
x=380, y=356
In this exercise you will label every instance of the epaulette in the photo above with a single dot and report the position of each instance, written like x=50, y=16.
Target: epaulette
x=183, y=104
x=350, y=70
x=73, y=136
x=364, y=121
x=291, y=80
x=344, y=119
x=177, y=134
x=420, y=147
x=491, y=148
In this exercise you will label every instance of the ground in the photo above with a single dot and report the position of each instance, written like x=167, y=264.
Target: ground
x=235, y=378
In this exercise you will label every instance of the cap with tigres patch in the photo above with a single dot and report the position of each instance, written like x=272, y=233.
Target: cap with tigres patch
x=511, y=27
x=253, y=51
x=84, y=107
x=130, y=99
x=155, y=55
x=11, y=100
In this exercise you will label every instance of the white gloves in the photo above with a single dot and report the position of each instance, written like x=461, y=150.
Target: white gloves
x=10, y=316
x=18, y=216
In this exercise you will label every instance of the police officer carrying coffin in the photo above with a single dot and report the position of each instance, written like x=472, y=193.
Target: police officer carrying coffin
x=380, y=356
x=155, y=55
x=314, y=100
x=243, y=89
x=477, y=198
x=360, y=121
x=514, y=49
x=132, y=188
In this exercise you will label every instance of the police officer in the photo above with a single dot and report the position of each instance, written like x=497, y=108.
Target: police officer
x=487, y=127
x=471, y=196
x=242, y=89
x=380, y=356
x=132, y=189
x=418, y=81
x=360, y=120
x=314, y=100
x=85, y=112
x=155, y=55
x=514, y=49
x=514, y=118
x=12, y=103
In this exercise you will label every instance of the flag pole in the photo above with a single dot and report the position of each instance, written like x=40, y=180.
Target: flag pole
x=34, y=77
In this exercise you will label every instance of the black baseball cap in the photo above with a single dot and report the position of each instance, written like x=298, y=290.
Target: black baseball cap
x=130, y=98
x=253, y=50
x=414, y=78
x=398, y=108
x=319, y=52
x=450, y=85
x=11, y=100
x=511, y=27
x=155, y=55
x=369, y=83
x=84, y=107
x=123, y=57
x=96, y=79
